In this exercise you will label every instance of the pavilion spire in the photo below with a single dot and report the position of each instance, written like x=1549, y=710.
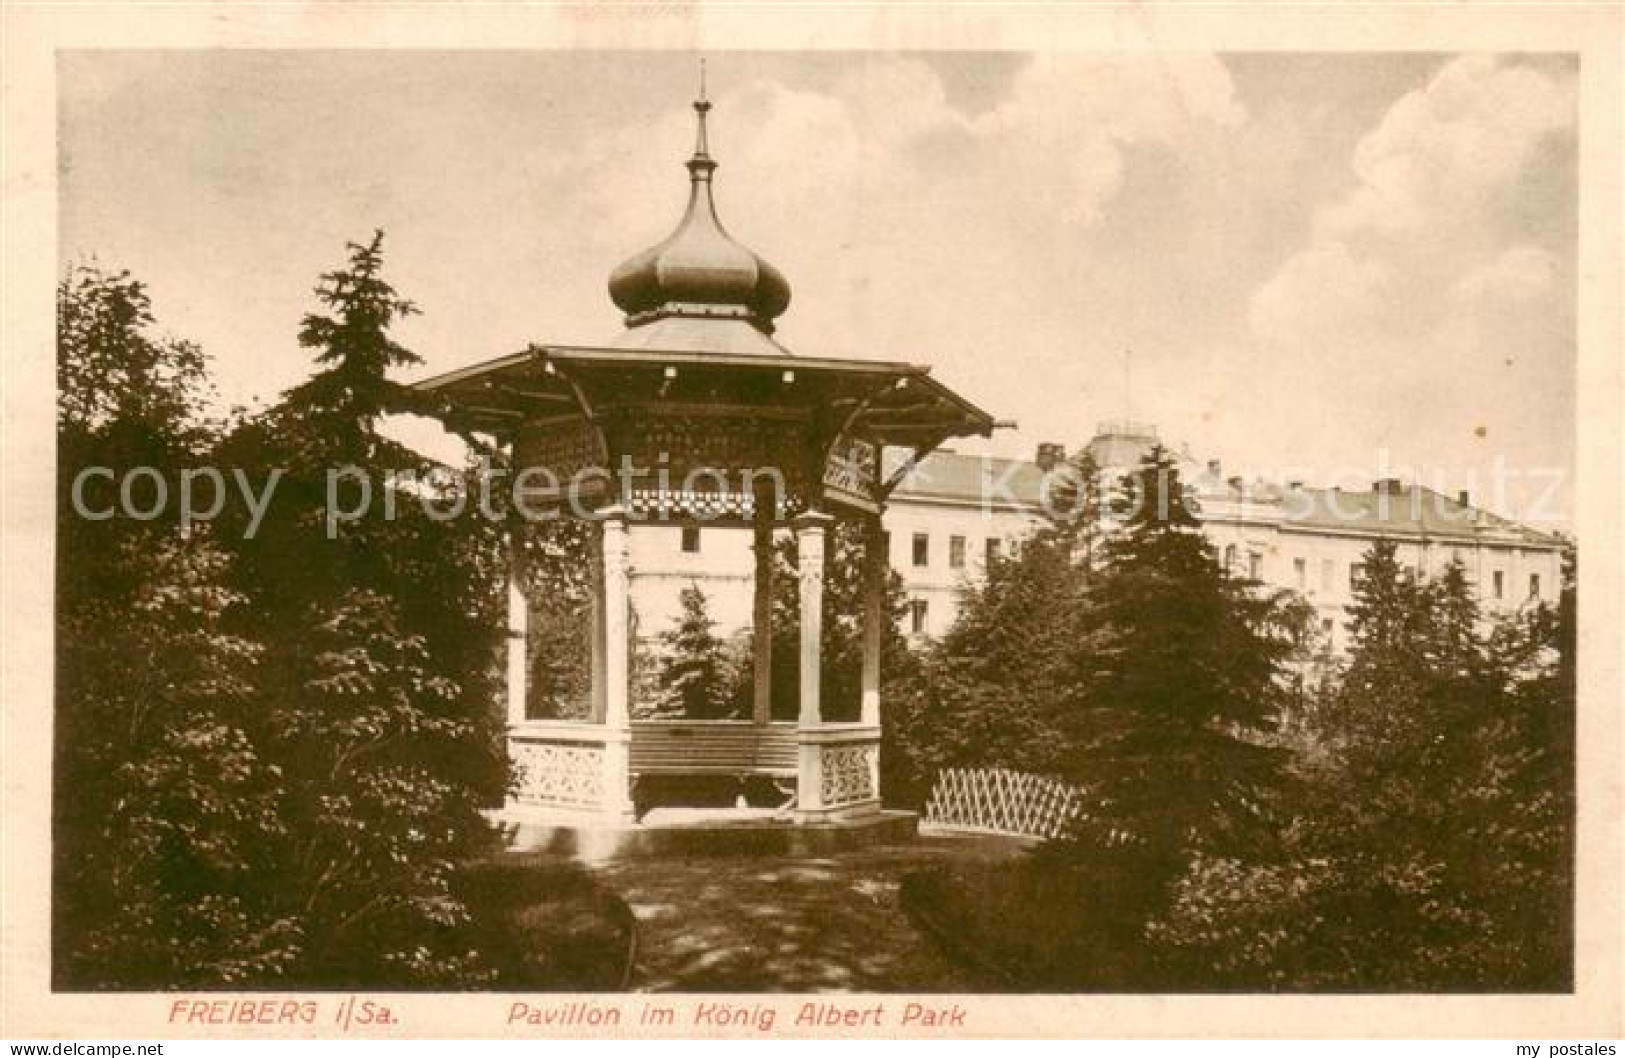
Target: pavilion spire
x=701, y=165
x=700, y=271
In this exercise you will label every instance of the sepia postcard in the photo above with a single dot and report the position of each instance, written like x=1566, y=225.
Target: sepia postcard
x=767, y=521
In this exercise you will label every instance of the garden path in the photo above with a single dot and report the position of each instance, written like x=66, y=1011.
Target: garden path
x=789, y=924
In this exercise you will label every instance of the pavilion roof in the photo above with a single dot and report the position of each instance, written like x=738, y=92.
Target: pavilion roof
x=891, y=402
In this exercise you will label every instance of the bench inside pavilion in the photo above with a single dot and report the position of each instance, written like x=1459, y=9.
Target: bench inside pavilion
x=697, y=387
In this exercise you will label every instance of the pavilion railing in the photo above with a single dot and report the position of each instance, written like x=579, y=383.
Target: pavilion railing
x=581, y=766
x=561, y=764
x=839, y=767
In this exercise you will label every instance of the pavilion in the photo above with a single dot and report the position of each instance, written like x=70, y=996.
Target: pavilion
x=743, y=434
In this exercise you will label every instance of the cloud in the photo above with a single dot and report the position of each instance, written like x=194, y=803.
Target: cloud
x=1425, y=181
x=1517, y=276
x=1411, y=303
x=1442, y=152
x=1325, y=293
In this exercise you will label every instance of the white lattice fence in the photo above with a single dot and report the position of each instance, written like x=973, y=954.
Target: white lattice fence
x=1003, y=801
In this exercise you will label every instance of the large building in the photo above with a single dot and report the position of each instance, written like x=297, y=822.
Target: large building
x=953, y=510
x=956, y=509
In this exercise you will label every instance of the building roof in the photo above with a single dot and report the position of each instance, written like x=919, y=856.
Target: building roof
x=1393, y=510
x=1400, y=510
x=958, y=478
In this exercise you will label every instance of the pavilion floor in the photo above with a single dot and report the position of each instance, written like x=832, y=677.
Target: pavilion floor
x=678, y=831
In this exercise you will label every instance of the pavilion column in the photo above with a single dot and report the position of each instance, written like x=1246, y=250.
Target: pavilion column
x=810, y=529
x=810, y=532
x=518, y=634
x=762, y=618
x=617, y=632
x=874, y=617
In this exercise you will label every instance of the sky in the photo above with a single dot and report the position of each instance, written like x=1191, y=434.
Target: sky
x=1329, y=267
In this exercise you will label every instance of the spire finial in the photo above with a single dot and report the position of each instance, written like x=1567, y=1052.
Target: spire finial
x=701, y=165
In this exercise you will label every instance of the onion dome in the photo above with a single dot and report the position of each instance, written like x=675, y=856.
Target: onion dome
x=699, y=271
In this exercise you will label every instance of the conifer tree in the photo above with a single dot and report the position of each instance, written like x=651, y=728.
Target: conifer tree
x=382, y=632
x=998, y=686
x=1432, y=849
x=694, y=665
x=1180, y=679
x=1445, y=819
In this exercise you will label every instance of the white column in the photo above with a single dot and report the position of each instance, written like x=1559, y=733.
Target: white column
x=518, y=635
x=810, y=531
x=617, y=630
x=617, y=664
x=874, y=617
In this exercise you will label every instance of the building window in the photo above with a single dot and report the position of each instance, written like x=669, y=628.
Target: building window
x=916, y=616
x=922, y=549
x=956, y=552
x=1230, y=558
x=1534, y=585
x=1498, y=584
x=1326, y=631
x=1326, y=572
x=992, y=550
x=691, y=539
x=1255, y=566
x=1300, y=570
x=1356, y=574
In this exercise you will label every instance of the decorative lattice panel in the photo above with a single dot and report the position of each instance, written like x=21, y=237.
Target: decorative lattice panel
x=564, y=448
x=847, y=774
x=559, y=774
x=1009, y=802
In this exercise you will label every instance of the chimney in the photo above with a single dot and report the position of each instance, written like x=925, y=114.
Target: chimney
x=1294, y=485
x=1213, y=467
x=1050, y=455
x=1235, y=484
x=1392, y=486
x=1464, y=498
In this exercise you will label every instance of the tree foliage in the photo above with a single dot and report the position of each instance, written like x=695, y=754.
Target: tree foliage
x=381, y=635
x=1402, y=822
x=997, y=685
x=160, y=796
x=272, y=748
x=1433, y=851
x=695, y=664
x=1180, y=673
x=558, y=556
x=114, y=374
